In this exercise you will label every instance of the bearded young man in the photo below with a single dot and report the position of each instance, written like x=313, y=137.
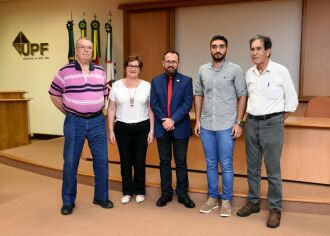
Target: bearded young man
x=171, y=99
x=220, y=102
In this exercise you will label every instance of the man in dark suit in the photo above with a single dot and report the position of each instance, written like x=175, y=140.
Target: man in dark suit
x=171, y=99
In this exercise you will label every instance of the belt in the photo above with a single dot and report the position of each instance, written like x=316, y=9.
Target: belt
x=138, y=123
x=89, y=116
x=265, y=117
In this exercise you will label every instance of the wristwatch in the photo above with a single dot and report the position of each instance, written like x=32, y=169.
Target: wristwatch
x=239, y=122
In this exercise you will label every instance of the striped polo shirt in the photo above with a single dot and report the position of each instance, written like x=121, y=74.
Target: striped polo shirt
x=82, y=95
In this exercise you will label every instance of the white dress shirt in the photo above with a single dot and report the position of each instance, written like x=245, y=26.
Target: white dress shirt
x=270, y=92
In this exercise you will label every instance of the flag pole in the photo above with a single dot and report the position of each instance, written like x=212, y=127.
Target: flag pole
x=109, y=52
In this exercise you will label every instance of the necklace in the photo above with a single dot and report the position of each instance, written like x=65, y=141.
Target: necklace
x=131, y=94
x=131, y=98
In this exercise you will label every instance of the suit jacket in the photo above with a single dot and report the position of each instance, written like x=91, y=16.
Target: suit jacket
x=181, y=103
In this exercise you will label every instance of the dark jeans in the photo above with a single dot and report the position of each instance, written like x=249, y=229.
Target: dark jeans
x=76, y=129
x=264, y=139
x=180, y=146
x=132, y=145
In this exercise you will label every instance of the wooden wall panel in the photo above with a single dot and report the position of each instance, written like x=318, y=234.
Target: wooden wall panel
x=308, y=164
x=148, y=34
x=315, y=66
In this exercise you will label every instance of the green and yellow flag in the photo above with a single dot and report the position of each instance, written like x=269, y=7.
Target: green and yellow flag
x=96, y=40
x=71, y=52
x=109, y=58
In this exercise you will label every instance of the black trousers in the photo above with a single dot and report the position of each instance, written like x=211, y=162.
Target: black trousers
x=165, y=145
x=132, y=145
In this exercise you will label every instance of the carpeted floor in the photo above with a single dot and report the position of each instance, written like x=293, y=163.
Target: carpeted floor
x=30, y=205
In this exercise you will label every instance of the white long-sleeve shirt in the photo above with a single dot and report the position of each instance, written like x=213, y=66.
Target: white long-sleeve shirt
x=270, y=92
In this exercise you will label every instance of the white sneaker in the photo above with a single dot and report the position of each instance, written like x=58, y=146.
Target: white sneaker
x=125, y=199
x=139, y=198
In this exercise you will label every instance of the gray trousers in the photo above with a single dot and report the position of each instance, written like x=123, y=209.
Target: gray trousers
x=264, y=139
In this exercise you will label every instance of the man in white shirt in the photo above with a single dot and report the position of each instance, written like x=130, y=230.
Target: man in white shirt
x=272, y=98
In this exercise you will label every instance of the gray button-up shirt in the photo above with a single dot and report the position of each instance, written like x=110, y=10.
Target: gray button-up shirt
x=220, y=89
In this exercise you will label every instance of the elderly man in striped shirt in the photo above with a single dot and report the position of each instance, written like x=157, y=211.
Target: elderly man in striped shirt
x=78, y=91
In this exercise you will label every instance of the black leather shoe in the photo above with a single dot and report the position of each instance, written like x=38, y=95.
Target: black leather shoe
x=104, y=204
x=67, y=209
x=186, y=201
x=163, y=200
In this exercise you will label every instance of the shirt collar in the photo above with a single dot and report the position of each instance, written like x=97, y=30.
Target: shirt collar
x=78, y=67
x=224, y=64
x=268, y=67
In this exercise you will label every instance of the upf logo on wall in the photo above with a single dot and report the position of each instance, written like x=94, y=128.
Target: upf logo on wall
x=28, y=50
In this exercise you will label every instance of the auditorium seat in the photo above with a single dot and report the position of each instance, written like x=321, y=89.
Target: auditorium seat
x=318, y=107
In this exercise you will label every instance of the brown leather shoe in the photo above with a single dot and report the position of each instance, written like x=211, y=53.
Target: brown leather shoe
x=248, y=209
x=274, y=218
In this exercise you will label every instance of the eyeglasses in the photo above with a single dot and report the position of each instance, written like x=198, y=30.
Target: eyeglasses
x=87, y=48
x=133, y=67
x=171, y=62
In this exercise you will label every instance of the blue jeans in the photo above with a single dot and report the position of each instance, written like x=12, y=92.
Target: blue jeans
x=218, y=147
x=76, y=129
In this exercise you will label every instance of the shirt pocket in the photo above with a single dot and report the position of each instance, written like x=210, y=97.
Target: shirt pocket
x=272, y=90
x=228, y=78
x=224, y=81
